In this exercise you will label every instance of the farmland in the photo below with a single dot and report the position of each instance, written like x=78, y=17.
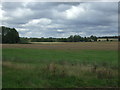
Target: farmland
x=68, y=65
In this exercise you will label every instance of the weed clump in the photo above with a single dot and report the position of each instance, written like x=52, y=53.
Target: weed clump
x=94, y=68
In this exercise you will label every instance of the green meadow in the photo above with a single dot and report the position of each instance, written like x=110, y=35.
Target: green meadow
x=52, y=68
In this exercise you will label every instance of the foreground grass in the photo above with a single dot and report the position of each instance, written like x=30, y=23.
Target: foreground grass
x=37, y=68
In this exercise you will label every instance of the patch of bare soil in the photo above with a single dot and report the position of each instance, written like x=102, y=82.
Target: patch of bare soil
x=69, y=45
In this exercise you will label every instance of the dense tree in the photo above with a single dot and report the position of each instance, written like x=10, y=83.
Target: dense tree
x=24, y=40
x=118, y=38
x=77, y=38
x=71, y=38
x=9, y=35
x=93, y=38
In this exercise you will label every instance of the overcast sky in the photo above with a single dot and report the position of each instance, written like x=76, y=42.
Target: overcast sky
x=57, y=19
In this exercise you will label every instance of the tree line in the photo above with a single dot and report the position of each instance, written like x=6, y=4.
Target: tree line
x=10, y=35
x=72, y=38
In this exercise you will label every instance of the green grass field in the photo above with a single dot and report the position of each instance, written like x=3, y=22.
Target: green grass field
x=47, y=68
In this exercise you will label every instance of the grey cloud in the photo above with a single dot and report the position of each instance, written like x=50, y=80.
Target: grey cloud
x=84, y=19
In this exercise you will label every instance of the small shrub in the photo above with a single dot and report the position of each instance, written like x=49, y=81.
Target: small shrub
x=52, y=68
x=94, y=68
x=63, y=73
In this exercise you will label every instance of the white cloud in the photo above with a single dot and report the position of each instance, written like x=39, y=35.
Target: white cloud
x=59, y=30
x=74, y=12
x=36, y=22
x=22, y=29
x=53, y=25
x=22, y=12
x=2, y=14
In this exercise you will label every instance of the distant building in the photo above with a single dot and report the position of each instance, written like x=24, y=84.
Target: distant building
x=107, y=39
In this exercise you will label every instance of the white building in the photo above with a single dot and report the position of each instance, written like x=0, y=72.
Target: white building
x=107, y=39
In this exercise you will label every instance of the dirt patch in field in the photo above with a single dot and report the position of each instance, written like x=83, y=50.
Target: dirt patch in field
x=68, y=45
